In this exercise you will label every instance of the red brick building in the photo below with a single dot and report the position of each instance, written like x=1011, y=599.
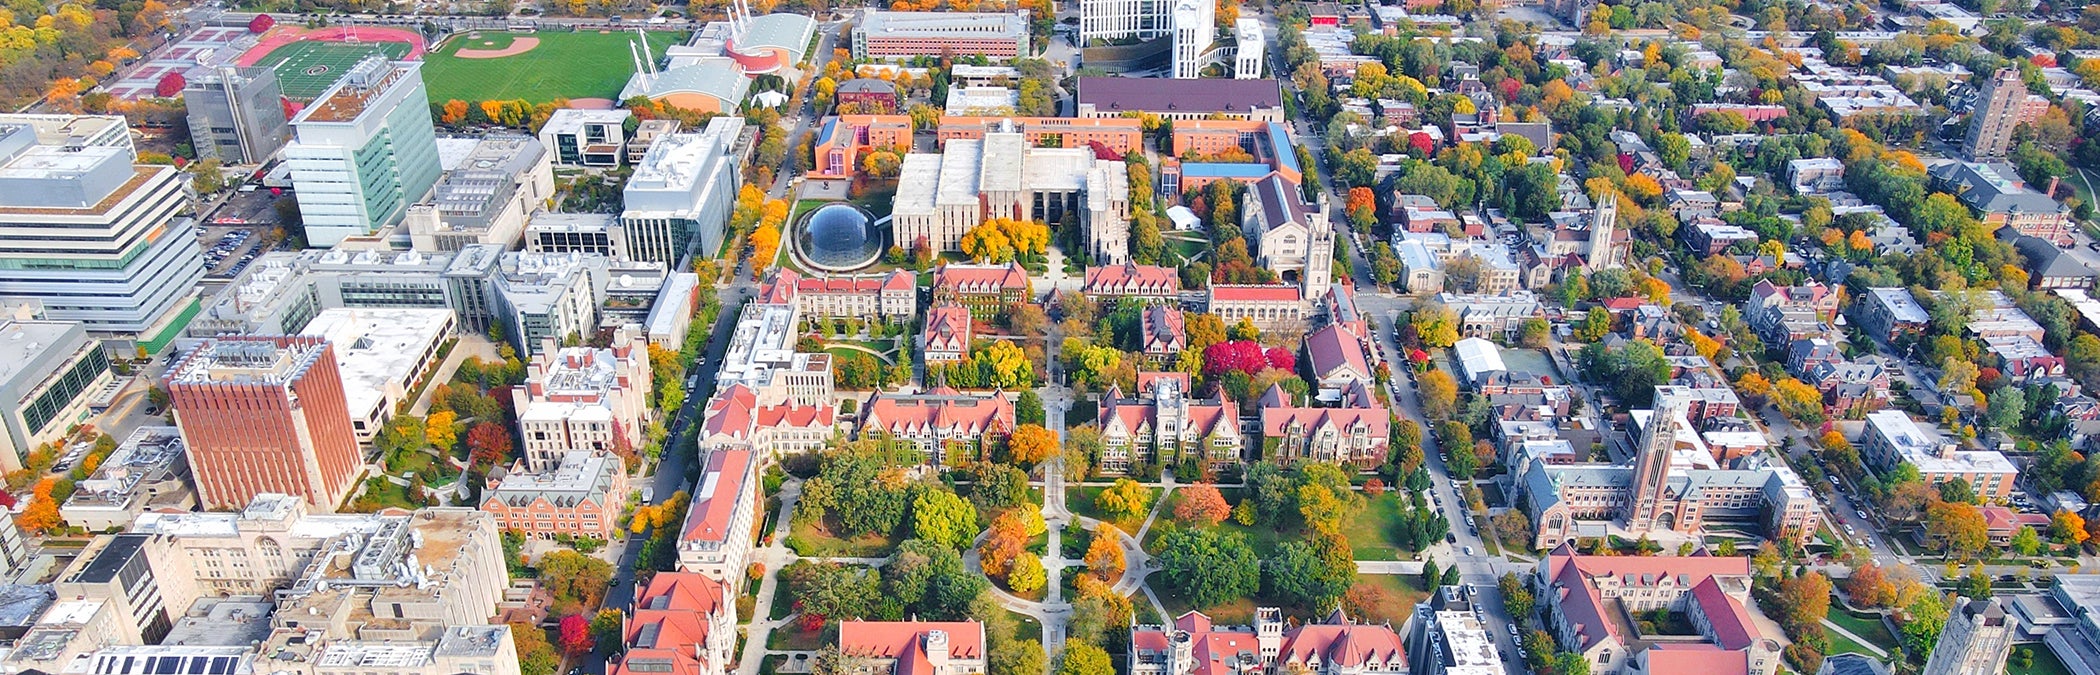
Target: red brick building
x=581, y=497
x=265, y=414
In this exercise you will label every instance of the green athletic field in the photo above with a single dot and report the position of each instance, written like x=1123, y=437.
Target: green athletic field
x=586, y=64
x=305, y=69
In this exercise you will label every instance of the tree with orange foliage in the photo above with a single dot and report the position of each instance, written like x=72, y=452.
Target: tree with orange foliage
x=1755, y=386
x=42, y=514
x=765, y=247
x=1870, y=586
x=1104, y=556
x=1201, y=505
x=493, y=110
x=1007, y=539
x=455, y=112
x=1031, y=443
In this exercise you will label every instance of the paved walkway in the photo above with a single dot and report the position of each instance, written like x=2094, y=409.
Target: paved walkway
x=774, y=556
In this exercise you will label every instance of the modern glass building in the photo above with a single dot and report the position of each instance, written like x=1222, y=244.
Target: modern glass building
x=363, y=152
x=95, y=238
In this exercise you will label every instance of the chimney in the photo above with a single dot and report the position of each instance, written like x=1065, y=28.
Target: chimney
x=2052, y=186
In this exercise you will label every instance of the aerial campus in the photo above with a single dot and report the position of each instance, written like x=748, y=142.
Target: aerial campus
x=1102, y=337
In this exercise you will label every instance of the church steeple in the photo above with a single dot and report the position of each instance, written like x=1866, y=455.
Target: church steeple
x=1651, y=464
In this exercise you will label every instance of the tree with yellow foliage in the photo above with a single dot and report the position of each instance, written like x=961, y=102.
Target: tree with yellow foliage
x=765, y=247
x=1000, y=240
x=439, y=430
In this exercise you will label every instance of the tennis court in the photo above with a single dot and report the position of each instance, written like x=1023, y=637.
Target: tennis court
x=305, y=69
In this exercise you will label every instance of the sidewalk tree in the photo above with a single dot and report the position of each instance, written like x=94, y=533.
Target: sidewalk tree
x=535, y=656
x=1084, y=659
x=576, y=638
x=1032, y=444
x=1439, y=394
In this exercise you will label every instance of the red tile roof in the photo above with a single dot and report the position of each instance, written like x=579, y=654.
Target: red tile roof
x=1239, y=293
x=1731, y=623
x=948, y=328
x=981, y=279
x=722, y=490
x=1131, y=279
x=1700, y=659
x=905, y=641
x=944, y=409
x=671, y=622
x=1583, y=604
x=1164, y=329
x=735, y=413
x=1346, y=645
x=781, y=289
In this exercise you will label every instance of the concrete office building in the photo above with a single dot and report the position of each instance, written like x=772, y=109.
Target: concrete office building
x=48, y=372
x=543, y=296
x=281, y=292
x=1172, y=99
x=592, y=233
x=363, y=152
x=1252, y=51
x=901, y=35
x=487, y=198
x=1118, y=19
x=679, y=199
x=1195, y=24
x=122, y=598
x=236, y=115
x=381, y=354
x=585, y=137
x=265, y=415
x=1996, y=113
x=104, y=131
x=95, y=238
x=146, y=471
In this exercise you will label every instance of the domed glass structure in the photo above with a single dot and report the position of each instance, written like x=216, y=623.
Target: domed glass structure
x=838, y=237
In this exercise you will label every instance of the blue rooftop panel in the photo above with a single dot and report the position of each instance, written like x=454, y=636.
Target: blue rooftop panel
x=1280, y=147
x=1223, y=170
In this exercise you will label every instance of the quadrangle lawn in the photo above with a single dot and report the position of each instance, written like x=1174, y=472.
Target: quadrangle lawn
x=565, y=65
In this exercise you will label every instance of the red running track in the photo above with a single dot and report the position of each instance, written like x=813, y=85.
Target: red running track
x=284, y=35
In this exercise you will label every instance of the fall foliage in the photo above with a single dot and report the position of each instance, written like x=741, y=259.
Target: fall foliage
x=1201, y=505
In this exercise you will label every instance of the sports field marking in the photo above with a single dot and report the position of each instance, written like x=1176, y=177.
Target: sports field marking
x=307, y=69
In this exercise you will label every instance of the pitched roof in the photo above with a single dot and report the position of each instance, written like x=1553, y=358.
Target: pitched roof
x=722, y=491
x=1345, y=645
x=1732, y=627
x=1131, y=279
x=1164, y=330
x=948, y=328
x=1702, y=659
x=905, y=641
x=1333, y=349
x=980, y=278
x=943, y=409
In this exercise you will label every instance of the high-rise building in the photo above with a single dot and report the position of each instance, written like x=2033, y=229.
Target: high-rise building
x=1976, y=641
x=680, y=196
x=236, y=115
x=263, y=415
x=1195, y=24
x=1253, y=49
x=94, y=238
x=364, y=151
x=1996, y=113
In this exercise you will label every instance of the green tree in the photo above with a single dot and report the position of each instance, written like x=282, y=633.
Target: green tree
x=2026, y=542
x=1027, y=575
x=940, y=516
x=535, y=655
x=1208, y=567
x=1313, y=573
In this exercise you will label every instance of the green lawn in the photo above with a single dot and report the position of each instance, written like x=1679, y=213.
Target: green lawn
x=305, y=69
x=818, y=542
x=1371, y=533
x=2045, y=663
x=1864, y=625
x=584, y=64
x=791, y=638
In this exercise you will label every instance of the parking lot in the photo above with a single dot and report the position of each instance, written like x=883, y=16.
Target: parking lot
x=229, y=249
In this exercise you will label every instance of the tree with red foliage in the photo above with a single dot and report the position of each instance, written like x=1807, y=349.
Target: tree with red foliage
x=1282, y=358
x=490, y=442
x=170, y=85
x=261, y=24
x=576, y=638
x=1422, y=143
x=1241, y=355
